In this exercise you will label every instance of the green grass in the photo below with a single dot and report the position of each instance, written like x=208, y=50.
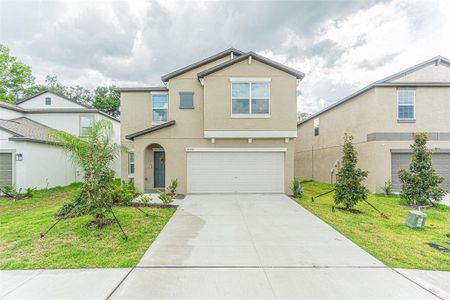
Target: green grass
x=70, y=244
x=390, y=240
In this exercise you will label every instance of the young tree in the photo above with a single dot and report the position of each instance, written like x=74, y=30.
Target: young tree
x=420, y=183
x=94, y=153
x=15, y=76
x=349, y=187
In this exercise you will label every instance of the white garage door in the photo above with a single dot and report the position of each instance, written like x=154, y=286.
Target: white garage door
x=235, y=172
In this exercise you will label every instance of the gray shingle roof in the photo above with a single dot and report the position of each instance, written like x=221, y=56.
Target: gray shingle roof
x=202, y=62
x=151, y=129
x=24, y=129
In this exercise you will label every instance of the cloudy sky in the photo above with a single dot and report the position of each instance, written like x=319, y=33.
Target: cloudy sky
x=340, y=45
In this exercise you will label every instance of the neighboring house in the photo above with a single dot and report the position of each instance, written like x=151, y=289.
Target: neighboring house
x=225, y=124
x=381, y=117
x=28, y=158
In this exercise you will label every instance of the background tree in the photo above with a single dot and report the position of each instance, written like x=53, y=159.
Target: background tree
x=94, y=154
x=17, y=82
x=79, y=94
x=15, y=76
x=349, y=183
x=107, y=99
x=420, y=183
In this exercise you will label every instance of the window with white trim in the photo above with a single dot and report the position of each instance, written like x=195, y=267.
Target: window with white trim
x=316, y=126
x=48, y=101
x=131, y=164
x=406, y=104
x=250, y=98
x=86, y=122
x=160, y=104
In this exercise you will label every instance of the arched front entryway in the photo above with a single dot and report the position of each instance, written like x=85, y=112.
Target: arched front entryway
x=154, y=168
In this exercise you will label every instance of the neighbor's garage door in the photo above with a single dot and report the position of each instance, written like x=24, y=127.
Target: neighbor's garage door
x=6, y=171
x=235, y=172
x=441, y=163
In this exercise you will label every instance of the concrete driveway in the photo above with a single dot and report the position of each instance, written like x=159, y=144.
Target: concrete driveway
x=258, y=247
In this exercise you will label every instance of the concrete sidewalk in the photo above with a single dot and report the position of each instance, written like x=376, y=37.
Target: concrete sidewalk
x=60, y=284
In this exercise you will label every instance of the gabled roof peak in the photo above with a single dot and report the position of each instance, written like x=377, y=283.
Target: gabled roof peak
x=202, y=62
x=272, y=63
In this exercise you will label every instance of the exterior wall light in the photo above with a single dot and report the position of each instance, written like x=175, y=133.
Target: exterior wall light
x=19, y=157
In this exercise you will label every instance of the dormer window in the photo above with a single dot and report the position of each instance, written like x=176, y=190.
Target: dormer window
x=250, y=98
x=48, y=101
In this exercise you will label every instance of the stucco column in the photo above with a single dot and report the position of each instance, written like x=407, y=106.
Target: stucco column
x=139, y=152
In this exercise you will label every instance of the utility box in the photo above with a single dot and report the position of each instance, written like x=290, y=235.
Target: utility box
x=415, y=219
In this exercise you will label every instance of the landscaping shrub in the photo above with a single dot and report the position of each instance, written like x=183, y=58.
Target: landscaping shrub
x=387, y=188
x=145, y=199
x=165, y=198
x=172, y=188
x=123, y=193
x=420, y=183
x=15, y=194
x=349, y=187
x=297, y=188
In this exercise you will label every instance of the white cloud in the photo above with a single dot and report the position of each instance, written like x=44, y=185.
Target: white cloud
x=340, y=48
x=375, y=43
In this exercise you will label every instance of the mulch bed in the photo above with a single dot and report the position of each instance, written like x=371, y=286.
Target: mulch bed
x=352, y=210
x=157, y=205
x=100, y=223
x=419, y=207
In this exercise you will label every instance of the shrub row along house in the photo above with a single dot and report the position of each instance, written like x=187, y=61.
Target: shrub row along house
x=28, y=157
x=382, y=118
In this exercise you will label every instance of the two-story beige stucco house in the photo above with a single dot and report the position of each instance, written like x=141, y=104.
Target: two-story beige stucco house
x=381, y=117
x=225, y=124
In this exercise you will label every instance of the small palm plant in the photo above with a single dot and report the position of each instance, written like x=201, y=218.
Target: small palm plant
x=93, y=153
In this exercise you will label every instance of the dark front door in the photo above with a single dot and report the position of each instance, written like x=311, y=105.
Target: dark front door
x=160, y=170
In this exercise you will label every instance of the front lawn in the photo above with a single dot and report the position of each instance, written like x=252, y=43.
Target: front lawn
x=390, y=240
x=70, y=244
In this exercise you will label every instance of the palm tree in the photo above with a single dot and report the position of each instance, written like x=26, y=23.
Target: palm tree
x=93, y=153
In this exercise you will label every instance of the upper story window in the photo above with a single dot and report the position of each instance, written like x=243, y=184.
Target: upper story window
x=316, y=126
x=131, y=164
x=406, y=103
x=48, y=101
x=250, y=99
x=86, y=122
x=160, y=104
x=186, y=100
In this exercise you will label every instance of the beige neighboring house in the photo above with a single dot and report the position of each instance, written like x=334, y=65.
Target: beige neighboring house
x=225, y=124
x=28, y=158
x=381, y=117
